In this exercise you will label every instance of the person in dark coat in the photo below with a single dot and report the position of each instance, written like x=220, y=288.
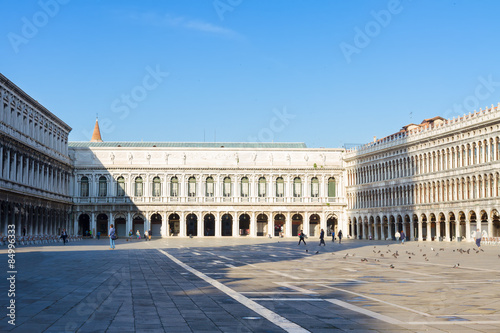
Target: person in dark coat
x=301, y=237
x=339, y=235
x=322, y=237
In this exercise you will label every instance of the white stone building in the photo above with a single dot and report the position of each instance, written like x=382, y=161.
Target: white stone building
x=207, y=189
x=35, y=168
x=436, y=181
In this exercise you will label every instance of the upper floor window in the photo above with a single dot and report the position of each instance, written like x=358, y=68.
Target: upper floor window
x=156, y=187
x=174, y=187
x=120, y=187
x=103, y=186
x=262, y=187
x=297, y=187
x=192, y=187
x=331, y=187
x=314, y=187
x=227, y=187
x=138, y=187
x=84, y=187
x=280, y=187
x=210, y=187
x=244, y=187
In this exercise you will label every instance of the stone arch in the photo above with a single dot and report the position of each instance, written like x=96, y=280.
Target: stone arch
x=174, y=224
x=227, y=224
x=297, y=224
x=191, y=224
x=244, y=224
x=262, y=224
x=279, y=224
x=84, y=225
x=209, y=224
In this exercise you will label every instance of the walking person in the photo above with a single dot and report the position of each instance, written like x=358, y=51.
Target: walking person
x=322, y=238
x=403, y=236
x=333, y=234
x=64, y=235
x=339, y=235
x=301, y=237
x=112, y=237
x=479, y=235
x=138, y=234
x=150, y=234
x=146, y=235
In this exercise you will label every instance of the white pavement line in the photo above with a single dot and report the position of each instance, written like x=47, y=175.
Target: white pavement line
x=378, y=300
x=261, y=310
x=289, y=299
x=350, y=269
x=366, y=312
x=284, y=274
x=298, y=289
x=269, y=292
x=225, y=258
x=457, y=322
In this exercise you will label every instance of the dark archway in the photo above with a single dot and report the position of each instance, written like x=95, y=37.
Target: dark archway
x=102, y=224
x=332, y=226
x=156, y=222
x=209, y=225
x=261, y=224
x=279, y=225
x=297, y=224
x=84, y=225
x=174, y=224
x=244, y=225
x=138, y=224
x=192, y=225
x=227, y=225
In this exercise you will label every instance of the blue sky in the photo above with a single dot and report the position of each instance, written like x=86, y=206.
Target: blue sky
x=323, y=72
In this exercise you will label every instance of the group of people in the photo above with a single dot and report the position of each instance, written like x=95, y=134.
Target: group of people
x=302, y=237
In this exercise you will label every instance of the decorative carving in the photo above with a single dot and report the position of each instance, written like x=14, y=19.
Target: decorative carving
x=271, y=158
x=130, y=157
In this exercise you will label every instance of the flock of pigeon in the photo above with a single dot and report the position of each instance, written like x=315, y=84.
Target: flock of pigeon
x=396, y=254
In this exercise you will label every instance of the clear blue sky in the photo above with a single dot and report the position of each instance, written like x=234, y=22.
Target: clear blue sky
x=340, y=71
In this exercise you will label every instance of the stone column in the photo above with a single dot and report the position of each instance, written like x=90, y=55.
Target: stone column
x=467, y=229
x=357, y=229
x=164, y=223
x=447, y=227
x=428, y=238
x=270, y=225
x=218, y=225
x=438, y=229
x=253, y=225
x=306, y=223
x=288, y=225
x=375, y=229
x=412, y=230
x=420, y=229
x=490, y=226
x=182, y=224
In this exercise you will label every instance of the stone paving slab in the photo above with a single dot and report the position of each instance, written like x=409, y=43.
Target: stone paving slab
x=274, y=286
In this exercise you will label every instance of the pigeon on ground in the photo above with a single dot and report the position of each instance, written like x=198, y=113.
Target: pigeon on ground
x=317, y=252
x=456, y=266
x=391, y=266
x=307, y=250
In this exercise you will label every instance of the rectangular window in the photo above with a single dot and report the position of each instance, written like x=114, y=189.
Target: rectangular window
x=314, y=190
x=120, y=189
x=156, y=189
x=84, y=189
x=210, y=189
x=244, y=190
x=102, y=189
x=174, y=192
x=138, y=189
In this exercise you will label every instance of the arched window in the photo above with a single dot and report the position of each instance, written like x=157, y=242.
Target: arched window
x=103, y=186
x=174, y=187
x=262, y=187
x=297, y=187
x=84, y=187
x=210, y=187
x=138, y=187
x=156, y=187
x=244, y=187
x=192, y=187
x=314, y=187
x=227, y=187
x=120, y=187
x=331, y=187
x=280, y=187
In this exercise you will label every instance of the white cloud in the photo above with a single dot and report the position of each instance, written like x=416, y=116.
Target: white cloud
x=182, y=23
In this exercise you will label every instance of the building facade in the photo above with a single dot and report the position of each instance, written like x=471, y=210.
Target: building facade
x=438, y=180
x=35, y=169
x=207, y=189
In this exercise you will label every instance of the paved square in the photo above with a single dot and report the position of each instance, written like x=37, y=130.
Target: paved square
x=254, y=285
